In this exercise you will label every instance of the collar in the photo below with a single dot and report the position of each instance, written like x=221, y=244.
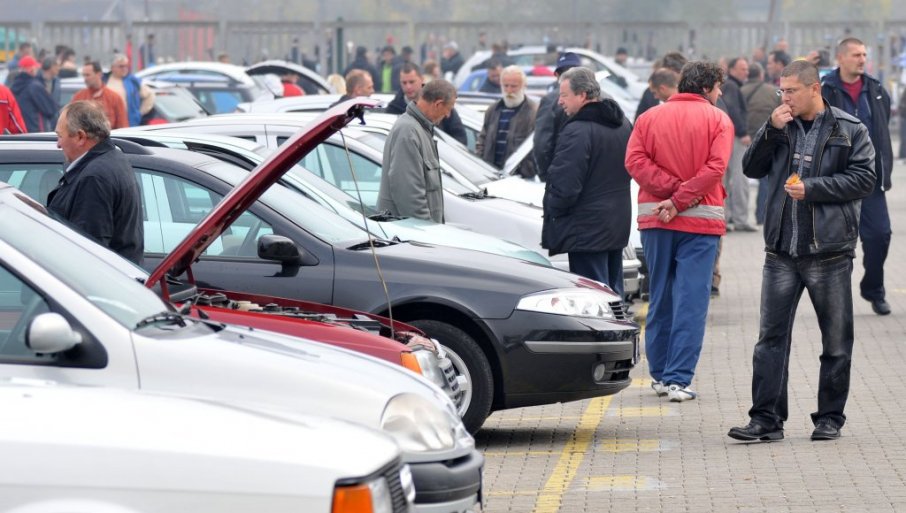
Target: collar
x=413, y=110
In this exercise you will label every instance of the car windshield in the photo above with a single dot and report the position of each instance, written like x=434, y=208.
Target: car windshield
x=121, y=297
x=176, y=107
x=471, y=166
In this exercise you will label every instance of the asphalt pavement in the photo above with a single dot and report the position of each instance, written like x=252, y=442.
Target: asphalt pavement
x=637, y=452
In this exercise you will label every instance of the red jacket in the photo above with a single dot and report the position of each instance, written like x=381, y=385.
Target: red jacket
x=680, y=150
x=10, y=115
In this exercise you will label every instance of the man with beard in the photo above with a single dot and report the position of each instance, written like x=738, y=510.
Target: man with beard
x=587, y=203
x=508, y=123
x=411, y=83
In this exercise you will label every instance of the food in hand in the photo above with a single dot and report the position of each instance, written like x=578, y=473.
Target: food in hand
x=793, y=179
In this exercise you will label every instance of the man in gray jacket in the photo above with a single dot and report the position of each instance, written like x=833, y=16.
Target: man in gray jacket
x=411, y=183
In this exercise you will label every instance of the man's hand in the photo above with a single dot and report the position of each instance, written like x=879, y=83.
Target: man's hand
x=795, y=190
x=781, y=116
x=665, y=211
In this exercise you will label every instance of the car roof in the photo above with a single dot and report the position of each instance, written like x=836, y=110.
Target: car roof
x=236, y=73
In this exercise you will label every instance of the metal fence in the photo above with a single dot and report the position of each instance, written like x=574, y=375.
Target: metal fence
x=331, y=43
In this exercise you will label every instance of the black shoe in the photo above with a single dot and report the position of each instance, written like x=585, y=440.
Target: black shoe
x=715, y=292
x=880, y=306
x=825, y=430
x=755, y=432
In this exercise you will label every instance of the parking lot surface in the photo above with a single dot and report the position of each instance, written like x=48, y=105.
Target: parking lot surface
x=637, y=452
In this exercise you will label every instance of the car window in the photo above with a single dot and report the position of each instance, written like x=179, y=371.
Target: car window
x=182, y=205
x=19, y=304
x=35, y=180
x=218, y=101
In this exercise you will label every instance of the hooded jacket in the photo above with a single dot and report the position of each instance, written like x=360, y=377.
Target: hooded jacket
x=37, y=107
x=873, y=111
x=841, y=174
x=679, y=150
x=587, y=203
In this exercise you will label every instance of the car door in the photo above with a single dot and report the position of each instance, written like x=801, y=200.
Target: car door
x=231, y=262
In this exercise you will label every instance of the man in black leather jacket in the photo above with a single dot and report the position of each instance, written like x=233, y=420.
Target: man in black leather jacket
x=820, y=163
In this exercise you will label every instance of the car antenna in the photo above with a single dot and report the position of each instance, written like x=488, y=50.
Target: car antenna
x=377, y=263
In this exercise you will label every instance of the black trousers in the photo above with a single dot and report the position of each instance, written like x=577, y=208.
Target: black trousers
x=874, y=230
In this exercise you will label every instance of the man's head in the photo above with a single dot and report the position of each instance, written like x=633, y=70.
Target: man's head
x=387, y=54
x=758, y=54
x=674, y=61
x=406, y=53
x=223, y=57
x=663, y=83
x=494, y=70
x=29, y=65
x=450, y=49
x=91, y=73
x=566, y=62
x=359, y=83
x=756, y=72
x=777, y=60
x=26, y=49
x=361, y=52
x=800, y=88
x=120, y=66
x=50, y=67
x=81, y=125
x=738, y=68
x=851, y=57
x=411, y=80
x=621, y=56
x=436, y=100
x=702, y=77
x=578, y=87
x=512, y=85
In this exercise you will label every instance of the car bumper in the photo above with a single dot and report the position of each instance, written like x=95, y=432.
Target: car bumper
x=450, y=486
x=558, y=358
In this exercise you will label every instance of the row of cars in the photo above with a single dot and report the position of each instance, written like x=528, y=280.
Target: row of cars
x=232, y=240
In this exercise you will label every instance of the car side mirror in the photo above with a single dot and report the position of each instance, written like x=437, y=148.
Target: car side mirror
x=50, y=333
x=285, y=251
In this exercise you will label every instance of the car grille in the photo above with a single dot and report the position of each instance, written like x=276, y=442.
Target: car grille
x=398, y=491
x=457, y=395
x=620, y=311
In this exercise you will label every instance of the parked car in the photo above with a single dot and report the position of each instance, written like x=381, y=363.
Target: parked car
x=91, y=450
x=310, y=82
x=217, y=86
x=474, y=190
x=172, y=103
x=74, y=312
x=535, y=85
x=248, y=155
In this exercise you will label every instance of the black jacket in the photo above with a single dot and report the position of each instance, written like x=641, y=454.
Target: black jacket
x=38, y=108
x=874, y=112
x=587, y=204
x=548, y=123
x=842, y=174
x=100, y=198
x=362, y=63
x=451, y=125
x=452, y=64
x=736, y=105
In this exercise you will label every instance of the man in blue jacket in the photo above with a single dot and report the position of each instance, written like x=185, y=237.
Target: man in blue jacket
x=37, y=106
x=139, y=98
x=859, y=94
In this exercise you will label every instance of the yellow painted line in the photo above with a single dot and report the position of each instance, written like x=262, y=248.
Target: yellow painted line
x=642, y=382
x=663, y=410
x=571, y=456
x=631, y=446
x=641, y=314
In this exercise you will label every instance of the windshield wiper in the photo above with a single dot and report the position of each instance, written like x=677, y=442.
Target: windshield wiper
x=482, y=194
x=378, y=243
x=385, y=216
x=162, y=317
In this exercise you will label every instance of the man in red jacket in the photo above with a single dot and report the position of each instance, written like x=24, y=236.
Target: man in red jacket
x=10, y=116
x=678, y=153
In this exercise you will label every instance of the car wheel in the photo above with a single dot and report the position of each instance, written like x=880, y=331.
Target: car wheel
x=471, y=363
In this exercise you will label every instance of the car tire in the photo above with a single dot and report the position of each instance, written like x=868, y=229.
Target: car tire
x=471, y=363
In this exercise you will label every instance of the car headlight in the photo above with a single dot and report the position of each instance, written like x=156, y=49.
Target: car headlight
x=420, y=425
x=574, y=302
x=430, y=367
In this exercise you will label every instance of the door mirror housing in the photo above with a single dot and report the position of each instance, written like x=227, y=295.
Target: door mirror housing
x=50, y=333
x=285, y=251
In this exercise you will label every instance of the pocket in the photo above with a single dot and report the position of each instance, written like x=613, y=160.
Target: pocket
x=432, y=178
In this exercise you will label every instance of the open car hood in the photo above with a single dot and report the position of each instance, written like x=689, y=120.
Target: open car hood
x=251, y=188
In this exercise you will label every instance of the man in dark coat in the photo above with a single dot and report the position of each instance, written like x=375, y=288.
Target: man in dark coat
x=550, y=118
x=859, y=94
x=452, y=60
x=411, y=83
x=98, y=194
x=587, y=204
x=37, y=106
x=361, y=62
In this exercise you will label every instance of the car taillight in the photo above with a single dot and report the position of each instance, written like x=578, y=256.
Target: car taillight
x=410, y=361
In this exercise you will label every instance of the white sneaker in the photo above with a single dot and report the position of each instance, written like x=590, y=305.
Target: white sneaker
x=659, y=388
x=678, y=394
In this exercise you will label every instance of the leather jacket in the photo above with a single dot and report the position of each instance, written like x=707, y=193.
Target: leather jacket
x=842, y=174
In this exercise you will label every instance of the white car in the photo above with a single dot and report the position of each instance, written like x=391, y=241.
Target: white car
x=103, y=450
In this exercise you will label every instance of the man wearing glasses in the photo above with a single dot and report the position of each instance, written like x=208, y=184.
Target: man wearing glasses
x=820, y=163
x=139, y=98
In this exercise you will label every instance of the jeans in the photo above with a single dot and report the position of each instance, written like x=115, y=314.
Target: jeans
x=680, y=266
x=874, y=229
x=603, y=266
x=827, y=279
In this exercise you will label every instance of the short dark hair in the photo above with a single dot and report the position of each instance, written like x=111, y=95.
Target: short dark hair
x=700, y=77
x=781, y=57
x=95, y=65
x=88, y=116
x=841, y=46
x=664, y=76
x=755, y=71
x=732, y=62
x=439, y=89
x=409, y=67
x=674, y=61
x=805, y=71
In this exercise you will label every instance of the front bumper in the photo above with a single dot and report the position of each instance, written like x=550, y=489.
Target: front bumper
x=450, y=486
x=547, y=358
